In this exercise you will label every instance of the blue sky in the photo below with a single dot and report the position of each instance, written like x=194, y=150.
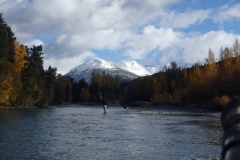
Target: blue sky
x=147, y=31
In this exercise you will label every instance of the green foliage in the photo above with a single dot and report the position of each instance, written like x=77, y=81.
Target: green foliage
x=104, y=85
x=33, y=78
x=50, y=79
x=77, y=88
x=23, y=81
x=6, y=41
x=62, y=90
x=6, y=82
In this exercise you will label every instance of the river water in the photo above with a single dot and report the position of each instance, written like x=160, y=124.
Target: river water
x=84, y=132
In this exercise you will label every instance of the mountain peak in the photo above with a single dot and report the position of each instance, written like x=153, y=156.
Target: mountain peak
x=124, y=70
x=98, y=65
x=98, y=60
x=134, y=67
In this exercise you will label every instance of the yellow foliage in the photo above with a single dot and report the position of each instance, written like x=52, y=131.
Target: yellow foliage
x=6, y=89
x=156, y=87
x=210, y=70
x=84, y=95
x=196, y=77
x=19, y=57
x=6, y=81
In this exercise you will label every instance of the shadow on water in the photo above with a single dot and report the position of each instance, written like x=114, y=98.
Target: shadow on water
x=209, y=128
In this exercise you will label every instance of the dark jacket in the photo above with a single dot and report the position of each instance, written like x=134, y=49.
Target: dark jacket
x=104, y=102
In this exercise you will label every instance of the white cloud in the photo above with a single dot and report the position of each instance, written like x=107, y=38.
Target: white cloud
x=35, y=42
x=64, y=65
x=183, y=20
x=136, y=27
x=191, y=49
x=227, y=12
x=151, y=38
x=61, y=38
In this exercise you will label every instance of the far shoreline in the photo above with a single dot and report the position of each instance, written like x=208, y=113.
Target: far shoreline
x=137, y=104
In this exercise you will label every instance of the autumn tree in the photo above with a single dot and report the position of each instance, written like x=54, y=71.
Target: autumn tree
x=20, y=57
x=196, y=84
x=236, y=48
x=156, y=90
x=236, y=66
x=210, y=74
x=226, y=72
x=12, y=57
x=84, y=95
x=23, y=81
x=6, y=81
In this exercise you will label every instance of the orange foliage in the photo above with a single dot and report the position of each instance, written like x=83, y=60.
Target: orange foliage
x=19, y=56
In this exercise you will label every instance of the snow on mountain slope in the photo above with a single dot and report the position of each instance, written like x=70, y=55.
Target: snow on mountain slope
x=95, y=63
x=154, y=69
x=157, y=68
x=134, y=67
x=126, y=70
x=98, y=65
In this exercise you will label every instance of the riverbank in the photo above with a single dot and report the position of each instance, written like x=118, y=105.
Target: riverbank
x=8, y=107
x=216, y=104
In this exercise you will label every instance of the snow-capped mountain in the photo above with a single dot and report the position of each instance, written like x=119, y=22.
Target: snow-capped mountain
x=157, y=68
x=98, y=65
x=134, y=67
x=154, y=69
x=125, y=71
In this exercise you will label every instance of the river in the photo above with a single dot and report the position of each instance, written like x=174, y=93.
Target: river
x=84, y=132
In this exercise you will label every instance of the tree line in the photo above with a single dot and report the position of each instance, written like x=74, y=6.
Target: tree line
x=24, y=82
x=210, y=84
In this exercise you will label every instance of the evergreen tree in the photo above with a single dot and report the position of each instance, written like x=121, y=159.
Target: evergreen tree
x=68, y=95
x=6, y=41
x=62, y=90
x=33, y=78
x=59, y=93
x=50, y=79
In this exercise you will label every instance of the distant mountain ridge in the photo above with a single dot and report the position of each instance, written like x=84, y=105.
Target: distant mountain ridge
x=125, y=71
x=98, y=65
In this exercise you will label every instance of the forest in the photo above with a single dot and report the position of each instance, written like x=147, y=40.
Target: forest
x=25, y=83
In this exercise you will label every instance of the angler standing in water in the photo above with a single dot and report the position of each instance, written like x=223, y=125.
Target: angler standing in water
x=104, y=102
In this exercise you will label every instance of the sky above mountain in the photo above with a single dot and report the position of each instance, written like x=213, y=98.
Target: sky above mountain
x=147, y=31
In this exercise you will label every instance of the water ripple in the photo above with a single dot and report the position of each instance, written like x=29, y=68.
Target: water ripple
x=87, y=133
